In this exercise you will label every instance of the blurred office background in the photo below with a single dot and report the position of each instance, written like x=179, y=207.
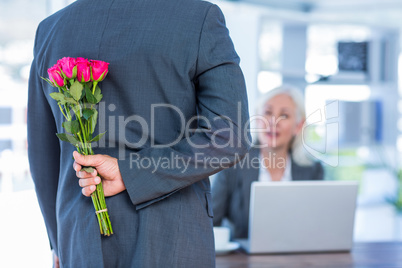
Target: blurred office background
x=344, y=54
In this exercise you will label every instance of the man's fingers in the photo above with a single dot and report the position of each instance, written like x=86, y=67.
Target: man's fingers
x=84, y=175
x=88, y=182
x=76, y=166
x=87, y=191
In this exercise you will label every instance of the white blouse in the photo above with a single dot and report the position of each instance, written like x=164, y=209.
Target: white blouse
x=264, y=175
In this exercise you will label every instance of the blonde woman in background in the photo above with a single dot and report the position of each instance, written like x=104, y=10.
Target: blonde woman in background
x=278, y=155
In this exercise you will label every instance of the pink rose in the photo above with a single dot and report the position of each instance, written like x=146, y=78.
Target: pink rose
x=99, y=70
x=68, y=67
x=83, y=70
x=55, y=76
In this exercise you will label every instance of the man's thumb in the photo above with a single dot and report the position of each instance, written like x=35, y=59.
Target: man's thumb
x=84, y=160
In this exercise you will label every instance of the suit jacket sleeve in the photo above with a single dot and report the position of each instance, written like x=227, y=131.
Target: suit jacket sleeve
x=43, y=151
x=220, y=90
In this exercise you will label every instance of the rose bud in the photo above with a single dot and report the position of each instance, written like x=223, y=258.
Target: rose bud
x=99, y=70
x=83, y=70
x=68, y=67
x=55, y=76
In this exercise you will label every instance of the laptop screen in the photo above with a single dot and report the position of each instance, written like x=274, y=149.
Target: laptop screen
x=302, y=216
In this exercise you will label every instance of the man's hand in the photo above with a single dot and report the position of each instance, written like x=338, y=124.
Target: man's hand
x=56, y=263
x=106, y=166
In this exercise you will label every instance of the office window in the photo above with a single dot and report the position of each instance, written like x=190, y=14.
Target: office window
x=322, y=46
x=5, y=116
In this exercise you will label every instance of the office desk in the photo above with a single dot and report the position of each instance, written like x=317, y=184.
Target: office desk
x=363, y=255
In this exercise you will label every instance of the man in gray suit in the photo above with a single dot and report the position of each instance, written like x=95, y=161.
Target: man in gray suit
x=174, y=94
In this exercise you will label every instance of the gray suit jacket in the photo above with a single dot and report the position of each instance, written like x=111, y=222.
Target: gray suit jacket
x=231, y=190
x=175, y=52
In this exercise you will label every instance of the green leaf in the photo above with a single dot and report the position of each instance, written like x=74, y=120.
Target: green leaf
x=97, y=138
x=76, y=90
x=75, y=71
x=77, y=109
x=87, y=113
x=71, y=101
x=59, y=97
x=47, y=80
x=88, y=169
x=94, y=120
x=67, y=94
x=90, y=97
x=98, y=95
x=72, y=127
x=63, y=136
x=82, y=94
x=68, y=138
x=88, y=85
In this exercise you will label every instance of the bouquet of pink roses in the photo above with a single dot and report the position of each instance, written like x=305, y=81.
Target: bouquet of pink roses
x=78, y=92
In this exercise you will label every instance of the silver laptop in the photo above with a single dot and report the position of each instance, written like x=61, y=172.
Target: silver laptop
x=301, y=216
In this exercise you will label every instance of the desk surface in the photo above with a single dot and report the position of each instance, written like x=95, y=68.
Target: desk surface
x=363, y=255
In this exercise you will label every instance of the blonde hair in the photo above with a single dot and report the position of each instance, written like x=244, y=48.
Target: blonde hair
x=299, y=154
